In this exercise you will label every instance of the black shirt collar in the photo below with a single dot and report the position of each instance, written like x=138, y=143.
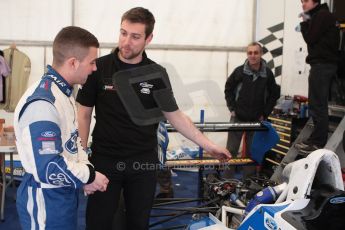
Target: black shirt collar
x=122, y=65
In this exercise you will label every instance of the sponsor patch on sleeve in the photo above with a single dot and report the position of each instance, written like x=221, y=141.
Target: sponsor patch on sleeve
x=48, y=147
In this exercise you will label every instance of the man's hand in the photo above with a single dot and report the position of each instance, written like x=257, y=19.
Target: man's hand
x=186, y=127
x=261, y=118
x=99, y=184
x=304, y=16
x=88, y=189
x=222, y=154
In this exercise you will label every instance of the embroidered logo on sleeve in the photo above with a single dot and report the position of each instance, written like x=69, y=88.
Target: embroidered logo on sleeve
x=48, y=147
x=48, y=139
x=48, y=134
x=71, y=143
x=59, y=179
x=57, y=176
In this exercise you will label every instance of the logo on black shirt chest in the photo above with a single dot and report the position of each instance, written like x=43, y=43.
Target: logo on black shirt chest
x=109, y=87
x=108, y=84
x=145, y=87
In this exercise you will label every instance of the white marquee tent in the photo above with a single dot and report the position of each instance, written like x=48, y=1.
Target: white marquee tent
x=199, y=42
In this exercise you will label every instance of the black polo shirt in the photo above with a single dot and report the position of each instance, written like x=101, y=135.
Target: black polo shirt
x=115, y=134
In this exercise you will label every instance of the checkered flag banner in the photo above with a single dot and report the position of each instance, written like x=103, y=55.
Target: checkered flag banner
x=273, y=48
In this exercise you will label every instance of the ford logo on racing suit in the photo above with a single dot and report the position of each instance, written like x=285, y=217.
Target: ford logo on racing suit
x=71, y=143
x=270, y=223
x=48, y=134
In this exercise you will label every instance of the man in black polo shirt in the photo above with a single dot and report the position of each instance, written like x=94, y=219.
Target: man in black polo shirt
x=122, y=150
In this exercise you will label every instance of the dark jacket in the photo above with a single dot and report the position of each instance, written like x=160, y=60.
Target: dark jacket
x=321, y=35
x=251, y=94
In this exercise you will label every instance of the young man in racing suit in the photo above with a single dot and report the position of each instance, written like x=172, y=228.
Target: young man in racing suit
x=47, y=138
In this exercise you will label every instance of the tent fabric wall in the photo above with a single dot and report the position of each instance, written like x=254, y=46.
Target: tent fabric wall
x=193, y=22
x=220, y=29
x=270, y=32
x=34, y=20
x=219, y=24
x=295, y=69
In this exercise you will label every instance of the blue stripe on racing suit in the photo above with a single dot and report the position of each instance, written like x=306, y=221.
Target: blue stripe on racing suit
x=47, y=146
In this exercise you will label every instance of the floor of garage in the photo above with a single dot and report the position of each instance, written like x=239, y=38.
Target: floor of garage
x=185, y=185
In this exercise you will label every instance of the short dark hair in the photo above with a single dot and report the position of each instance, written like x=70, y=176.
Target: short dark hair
x=72, y=41
x=315, y=1
x=256, y=44
x=140, y=15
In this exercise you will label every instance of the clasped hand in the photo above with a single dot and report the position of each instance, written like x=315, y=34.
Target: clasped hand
x=99, y=184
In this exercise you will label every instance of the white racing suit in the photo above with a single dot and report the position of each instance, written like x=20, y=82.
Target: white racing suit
x=45, y=125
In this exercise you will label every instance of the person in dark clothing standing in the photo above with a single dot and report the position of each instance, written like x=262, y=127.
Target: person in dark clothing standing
x=251, y=93
x=322, y=36
x=121, y=149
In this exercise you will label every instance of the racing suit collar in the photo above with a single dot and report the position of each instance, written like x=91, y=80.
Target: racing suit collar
x=59, y=81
